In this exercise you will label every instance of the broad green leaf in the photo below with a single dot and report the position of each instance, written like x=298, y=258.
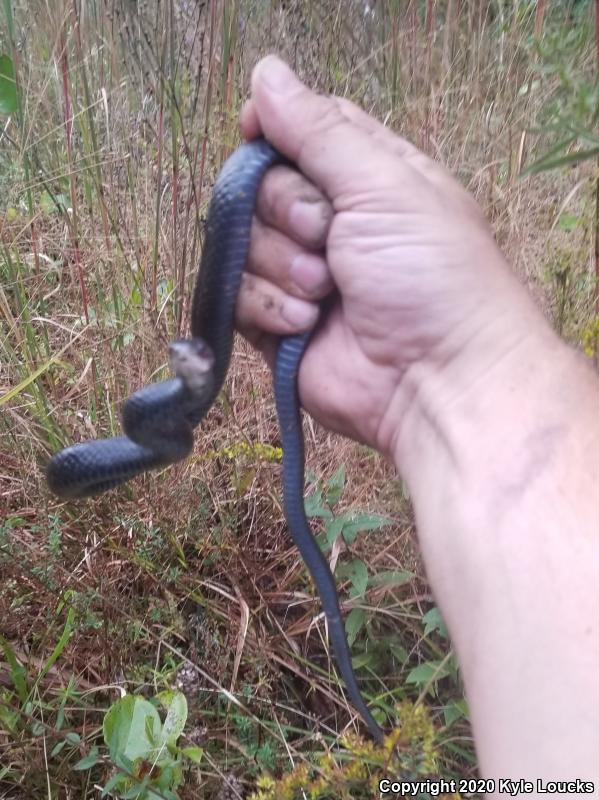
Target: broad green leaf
x=57, y=748
x=175, y=704
x=334, y=528
x=355, y=621
x=151, y=731
x=399, y=652
x=357, y=573
x=8, y=86
x=335, y=486
x=314, y=508
x=433, y=621
x=88, y=761
x=193, y=754
x=392, y=577
x=455, y=709
x=125, y=728
x=363, y=522
x=427, y=673
x=364, y=660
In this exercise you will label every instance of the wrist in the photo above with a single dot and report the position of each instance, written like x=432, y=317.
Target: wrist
x=503, y=479
x=485, y=387
x=476, y=433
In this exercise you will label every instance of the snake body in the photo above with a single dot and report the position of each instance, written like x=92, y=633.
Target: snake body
x=159, y=419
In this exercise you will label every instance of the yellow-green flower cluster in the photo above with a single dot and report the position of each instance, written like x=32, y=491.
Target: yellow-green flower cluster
x=258, y=450
x=354, y=772
x=590, y=338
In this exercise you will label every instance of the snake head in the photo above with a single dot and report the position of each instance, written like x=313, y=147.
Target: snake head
x=192, y=360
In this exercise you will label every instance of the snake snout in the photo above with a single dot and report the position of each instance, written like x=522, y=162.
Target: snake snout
x=192, y=360
x=190, y=355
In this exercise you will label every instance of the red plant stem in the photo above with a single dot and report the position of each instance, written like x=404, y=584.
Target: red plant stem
x=539, y=16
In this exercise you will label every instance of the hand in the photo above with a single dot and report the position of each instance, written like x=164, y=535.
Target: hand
x=432, y=352
x=420, y=281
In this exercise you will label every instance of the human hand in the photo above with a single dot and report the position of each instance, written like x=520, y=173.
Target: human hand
x=433, y=352
x=422, y=288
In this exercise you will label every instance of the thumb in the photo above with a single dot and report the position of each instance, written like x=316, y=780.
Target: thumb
x=329, y=138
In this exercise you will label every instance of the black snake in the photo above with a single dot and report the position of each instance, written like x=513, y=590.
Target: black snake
x=159, y=419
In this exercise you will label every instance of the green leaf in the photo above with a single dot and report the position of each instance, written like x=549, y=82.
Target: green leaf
x=175, y=704
x=57, y=748
x=17, y=671
x=314, y=508
x=112, y=783
x=399, y=652
x=544, y=164
x=88, y=761
x=568, y=222
x=364, y=522
x=8, y=86
x=126, y=726
x=193, y=754
x=151, y=731
x=335, y=486
x=455, y=709
x=355, y=621
x=9, y=718
x=433, y=621
x=357, y=573
x=60, y=645
x=138, y=791
x=392, y=577
x=334, y=528
x=366, y=659
x=427, y=673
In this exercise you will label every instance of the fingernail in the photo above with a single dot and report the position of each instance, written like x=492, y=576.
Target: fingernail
x=310, y=221
x=309, y=273
x=276, y=74
x=298, y=313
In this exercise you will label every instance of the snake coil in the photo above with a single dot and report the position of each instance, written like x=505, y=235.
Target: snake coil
x=159, y=419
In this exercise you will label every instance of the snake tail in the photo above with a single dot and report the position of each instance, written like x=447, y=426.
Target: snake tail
x=289, y=355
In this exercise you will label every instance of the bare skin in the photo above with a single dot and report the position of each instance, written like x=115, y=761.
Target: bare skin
x=431, y=351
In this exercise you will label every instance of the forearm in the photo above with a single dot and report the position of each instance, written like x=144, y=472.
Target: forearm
x=504, y=480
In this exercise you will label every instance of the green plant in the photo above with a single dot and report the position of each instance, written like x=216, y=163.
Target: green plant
x=354, y=771
x=144, y=748
x=572, y=113
x=8, y=87
x=348, y=525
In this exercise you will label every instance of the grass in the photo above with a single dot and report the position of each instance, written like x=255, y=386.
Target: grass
x=187, y=578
